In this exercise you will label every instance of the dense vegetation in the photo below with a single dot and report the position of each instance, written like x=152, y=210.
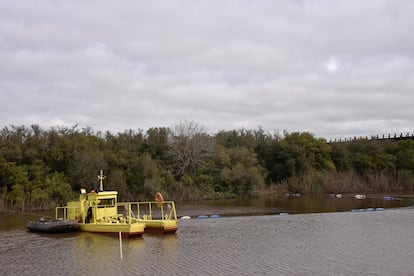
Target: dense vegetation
x=43, y=168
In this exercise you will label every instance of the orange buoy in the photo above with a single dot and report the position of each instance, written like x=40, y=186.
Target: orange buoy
x=159, y=199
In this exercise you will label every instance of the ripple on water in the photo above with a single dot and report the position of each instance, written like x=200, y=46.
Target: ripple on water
x=376, y=243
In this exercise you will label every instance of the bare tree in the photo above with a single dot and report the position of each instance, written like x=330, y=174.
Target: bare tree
x=190, y=147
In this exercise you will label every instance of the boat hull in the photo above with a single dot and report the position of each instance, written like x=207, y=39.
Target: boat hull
x=53, y=226
x=129, y=230
x=160, y=226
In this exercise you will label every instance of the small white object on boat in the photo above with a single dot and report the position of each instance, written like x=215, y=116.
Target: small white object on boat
x=185, y=217
x=283, y=214
x=360, y=196
x=338, y=195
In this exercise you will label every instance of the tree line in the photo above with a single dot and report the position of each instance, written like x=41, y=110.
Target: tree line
x=40, y=168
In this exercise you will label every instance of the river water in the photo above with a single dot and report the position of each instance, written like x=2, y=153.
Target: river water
x=251, y=237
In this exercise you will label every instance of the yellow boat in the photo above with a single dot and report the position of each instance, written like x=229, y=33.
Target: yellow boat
x=158, y=216
x=100, y=212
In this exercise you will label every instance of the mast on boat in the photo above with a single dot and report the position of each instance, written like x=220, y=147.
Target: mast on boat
x=101, y=177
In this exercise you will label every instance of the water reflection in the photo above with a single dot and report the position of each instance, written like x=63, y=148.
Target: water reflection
x=250, y=238
x=347, y=243
x=281, y=204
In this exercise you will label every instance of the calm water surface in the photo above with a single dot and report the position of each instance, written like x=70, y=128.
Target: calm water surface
x=249, y=239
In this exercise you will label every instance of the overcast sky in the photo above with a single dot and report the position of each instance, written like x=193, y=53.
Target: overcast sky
x=332, y=68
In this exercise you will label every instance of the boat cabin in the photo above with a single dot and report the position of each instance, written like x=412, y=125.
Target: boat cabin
x=93, y=207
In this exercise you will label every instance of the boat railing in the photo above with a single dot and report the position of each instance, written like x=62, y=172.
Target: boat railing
x=150, y=210
x=67, y=212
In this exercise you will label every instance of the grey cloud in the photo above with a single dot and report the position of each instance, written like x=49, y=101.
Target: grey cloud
x=339, y=68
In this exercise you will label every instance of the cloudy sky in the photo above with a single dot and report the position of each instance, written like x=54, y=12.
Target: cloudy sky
x=333, y=68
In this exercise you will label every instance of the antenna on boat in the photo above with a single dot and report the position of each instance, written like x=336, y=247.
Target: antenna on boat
x=101, y=177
